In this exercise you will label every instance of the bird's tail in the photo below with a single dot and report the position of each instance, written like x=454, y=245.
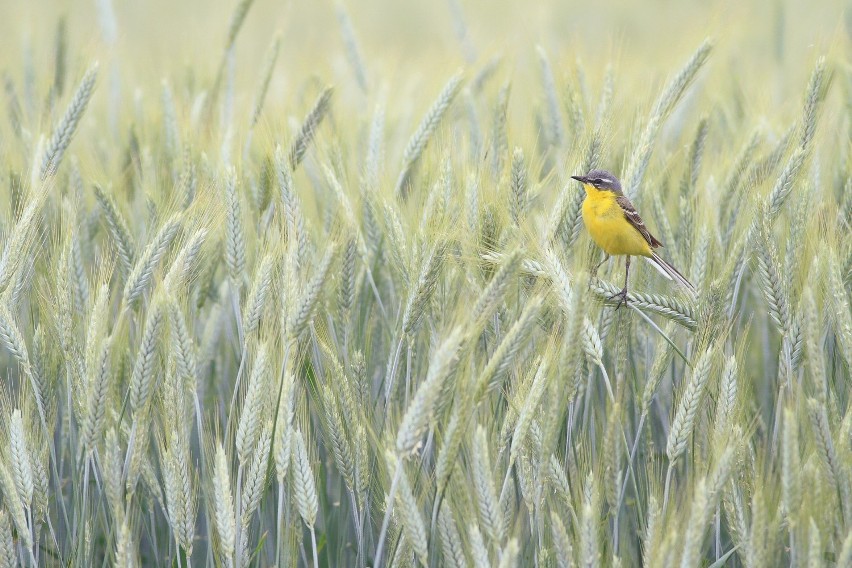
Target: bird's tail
x=670, y=272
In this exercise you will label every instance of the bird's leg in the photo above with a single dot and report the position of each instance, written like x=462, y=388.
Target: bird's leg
x=623, y=293
x=598, y=265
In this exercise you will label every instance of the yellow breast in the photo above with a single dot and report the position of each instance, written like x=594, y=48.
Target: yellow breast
x=607, y=226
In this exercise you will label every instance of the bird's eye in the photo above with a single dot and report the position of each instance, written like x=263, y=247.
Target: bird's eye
x=598, y=181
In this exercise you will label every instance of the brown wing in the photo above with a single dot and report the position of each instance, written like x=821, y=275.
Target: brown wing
x=634, y=219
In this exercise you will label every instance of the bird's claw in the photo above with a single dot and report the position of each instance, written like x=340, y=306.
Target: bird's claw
x=622, y=294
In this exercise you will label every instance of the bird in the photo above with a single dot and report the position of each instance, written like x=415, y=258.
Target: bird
x=616, y=227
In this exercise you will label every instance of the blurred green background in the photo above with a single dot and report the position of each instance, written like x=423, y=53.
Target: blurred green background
x=764, y=48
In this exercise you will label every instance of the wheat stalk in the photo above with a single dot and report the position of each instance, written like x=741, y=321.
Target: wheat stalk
x=555, y=128
x=420, y=411
x=259, y=294
x=235, y=245
x=684, y=421
x=306, y=133
x=451, y=539
x=409, y=512
x=665, y=104
x=499, y=142
x=223, y=506
x=489, y=513
x=185, y=262
x=140, y=277
x=666, y=306
x=118, y=230
x=20, y=459
x=143, y=367
x=64, y=130
x=791, y=483
x=303, y=480
x=478, y=550
x=420, y=139
x=8, y=556
x=353, y=53
x=834, y=472
x=252, y=415
x=519, y=198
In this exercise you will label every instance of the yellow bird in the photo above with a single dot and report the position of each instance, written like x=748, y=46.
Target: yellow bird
x=617, y=228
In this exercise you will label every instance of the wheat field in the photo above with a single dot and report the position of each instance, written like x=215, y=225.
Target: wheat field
x=294, y=284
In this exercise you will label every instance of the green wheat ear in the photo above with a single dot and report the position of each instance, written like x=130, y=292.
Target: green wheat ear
x=66, y=127
x=250, y=319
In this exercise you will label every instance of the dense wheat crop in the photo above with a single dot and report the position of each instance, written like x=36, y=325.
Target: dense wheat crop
x=308, y=284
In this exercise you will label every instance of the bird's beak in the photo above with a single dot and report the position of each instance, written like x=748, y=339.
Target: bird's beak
x=581, y=179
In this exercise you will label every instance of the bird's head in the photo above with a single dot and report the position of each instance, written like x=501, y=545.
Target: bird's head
x=600, y=180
